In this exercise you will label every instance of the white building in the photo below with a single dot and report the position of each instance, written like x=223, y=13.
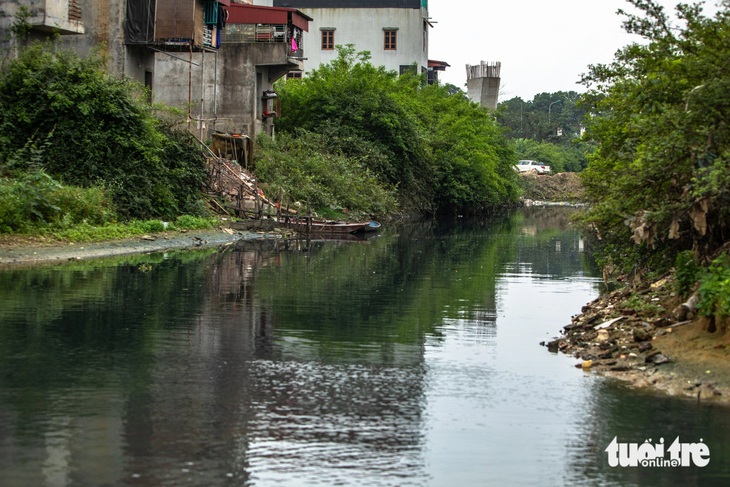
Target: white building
x=395, y=32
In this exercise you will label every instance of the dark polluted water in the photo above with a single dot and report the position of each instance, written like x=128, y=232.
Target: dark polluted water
x=410, y=358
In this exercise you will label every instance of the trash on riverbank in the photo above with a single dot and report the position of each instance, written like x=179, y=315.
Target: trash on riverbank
x=636, y=336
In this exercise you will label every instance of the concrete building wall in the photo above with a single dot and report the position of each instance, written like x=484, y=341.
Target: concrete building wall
x=223, y=89
x=363, y=27
x=101, y=26
x=482, y=83
x=484, y=91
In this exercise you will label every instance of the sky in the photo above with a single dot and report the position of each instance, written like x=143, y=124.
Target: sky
x=543, y=46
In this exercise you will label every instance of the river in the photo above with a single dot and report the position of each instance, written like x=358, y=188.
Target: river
x=409, y=358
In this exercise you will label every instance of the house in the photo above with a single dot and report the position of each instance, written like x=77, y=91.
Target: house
x=214, y=59
x=395, y=32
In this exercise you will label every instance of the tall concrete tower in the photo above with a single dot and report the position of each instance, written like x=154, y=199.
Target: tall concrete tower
x=482, y=83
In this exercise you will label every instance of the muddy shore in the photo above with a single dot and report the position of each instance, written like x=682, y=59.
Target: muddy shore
x=19, y=251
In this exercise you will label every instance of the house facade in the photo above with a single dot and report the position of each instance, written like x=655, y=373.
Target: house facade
x=395, y=32
x=214, y=59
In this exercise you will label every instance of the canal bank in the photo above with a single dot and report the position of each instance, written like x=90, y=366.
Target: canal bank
x=17, y=250
x=642, y=337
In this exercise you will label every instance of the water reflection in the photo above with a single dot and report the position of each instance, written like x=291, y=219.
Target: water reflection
x=407, y=359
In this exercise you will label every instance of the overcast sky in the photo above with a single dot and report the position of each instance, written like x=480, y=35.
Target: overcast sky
x=544, y=46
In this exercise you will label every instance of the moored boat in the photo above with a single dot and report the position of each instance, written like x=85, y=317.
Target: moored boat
x=328, y=227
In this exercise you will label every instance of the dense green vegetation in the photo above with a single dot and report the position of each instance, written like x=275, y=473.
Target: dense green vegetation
x=434, y=151
x=659, y=181
x=547, y=129
x=306, y=169
x=80, y=147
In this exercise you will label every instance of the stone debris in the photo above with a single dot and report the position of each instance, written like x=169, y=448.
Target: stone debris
x=609, y=341
x=615, y=336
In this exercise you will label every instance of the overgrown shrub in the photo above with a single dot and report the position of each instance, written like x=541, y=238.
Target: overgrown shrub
x=658, y=114
x=64, y=114
x=311, y=168
x=686, y=272
x=36, y=200
x=714, y=291
x=435, y=150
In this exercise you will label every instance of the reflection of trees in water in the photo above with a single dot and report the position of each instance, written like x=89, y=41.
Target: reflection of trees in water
x=550, y=243
x=227, y=358
x=298, y=410
x=224, y=394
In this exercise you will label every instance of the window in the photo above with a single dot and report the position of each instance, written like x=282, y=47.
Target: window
x=294, y=75
x=407, y=68
x=390, y=39
x=328, y=40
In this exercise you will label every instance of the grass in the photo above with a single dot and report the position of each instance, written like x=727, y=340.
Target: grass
x=85, y=232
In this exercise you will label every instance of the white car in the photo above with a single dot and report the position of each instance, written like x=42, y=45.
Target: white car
x=532, y=166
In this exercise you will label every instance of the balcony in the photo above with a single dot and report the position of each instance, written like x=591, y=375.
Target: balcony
x=62, y=16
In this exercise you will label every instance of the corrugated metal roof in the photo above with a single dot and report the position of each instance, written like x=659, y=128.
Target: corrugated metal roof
x=256, y=14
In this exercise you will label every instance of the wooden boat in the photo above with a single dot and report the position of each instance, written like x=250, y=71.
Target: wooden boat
x=329, y=227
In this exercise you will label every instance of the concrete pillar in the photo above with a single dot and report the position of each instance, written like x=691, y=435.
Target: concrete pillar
x=482, y=83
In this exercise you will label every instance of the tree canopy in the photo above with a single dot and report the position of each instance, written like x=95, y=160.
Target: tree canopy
x=438, y=151
x=660, y=177
x=548, y=128
x=548, y=117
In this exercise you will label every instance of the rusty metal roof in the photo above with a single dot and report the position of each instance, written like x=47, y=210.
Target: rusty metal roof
x=257, y=14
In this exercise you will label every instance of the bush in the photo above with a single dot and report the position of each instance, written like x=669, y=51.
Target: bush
x=37, y=201
x=312, y=169
x=65, y=115
x=714, y=291
x=436, y=152
x=190, y=222
x=686, y=272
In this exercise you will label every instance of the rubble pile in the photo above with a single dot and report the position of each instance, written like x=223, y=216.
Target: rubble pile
x=617, y=334
x=608, y=336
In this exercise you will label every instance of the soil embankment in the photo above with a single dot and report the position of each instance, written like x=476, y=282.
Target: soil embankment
x=634, y=334
x=563, y=187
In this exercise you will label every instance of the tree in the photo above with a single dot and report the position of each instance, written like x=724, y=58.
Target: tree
x=549, y=117
x=440, y=151
x=660, y=177
x=560, y=158
x=547, y=129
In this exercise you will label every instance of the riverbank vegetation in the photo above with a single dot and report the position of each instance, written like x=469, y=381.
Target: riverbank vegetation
x=432, y=151
x=84, y=156
x=659, y=182
x=80, y=149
